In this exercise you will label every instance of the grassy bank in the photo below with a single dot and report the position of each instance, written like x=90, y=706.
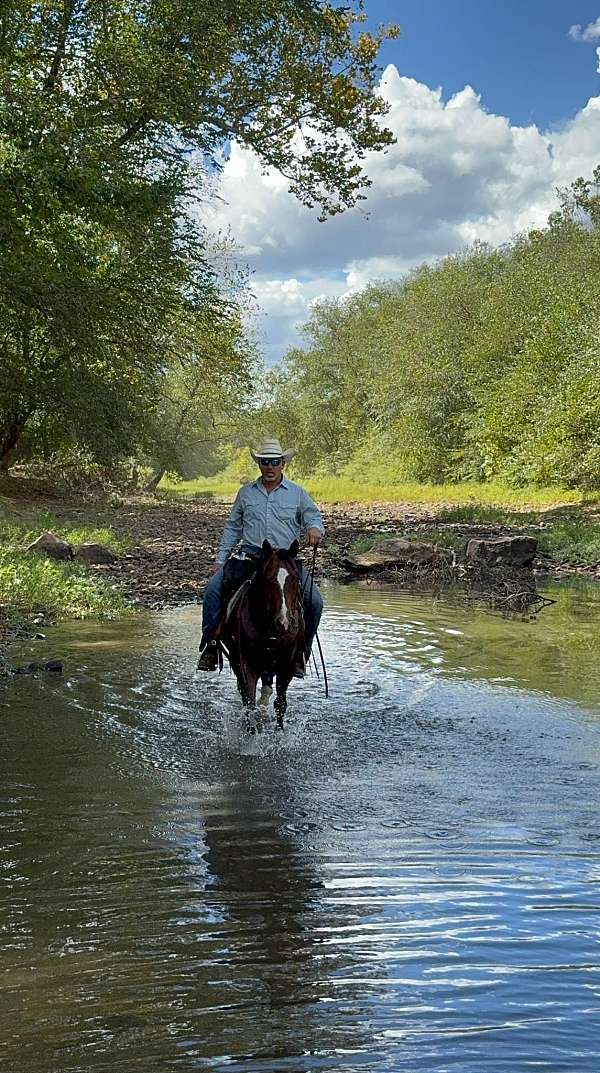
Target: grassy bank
x=574, y=542
x=32, y=583
x=566, y=535
x=343, y=490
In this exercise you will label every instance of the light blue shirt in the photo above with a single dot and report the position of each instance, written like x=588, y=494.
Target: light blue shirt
x=280, y=516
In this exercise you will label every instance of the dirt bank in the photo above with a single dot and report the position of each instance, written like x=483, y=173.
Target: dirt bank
x=175, y=543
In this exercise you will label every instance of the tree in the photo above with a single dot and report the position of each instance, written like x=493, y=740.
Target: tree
x=485, y=364
x=203, y=397
x=113, y=114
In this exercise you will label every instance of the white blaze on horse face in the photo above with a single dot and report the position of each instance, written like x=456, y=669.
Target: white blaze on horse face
x=282, y=617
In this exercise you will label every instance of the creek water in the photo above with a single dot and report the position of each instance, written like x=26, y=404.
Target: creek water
x=406, y=878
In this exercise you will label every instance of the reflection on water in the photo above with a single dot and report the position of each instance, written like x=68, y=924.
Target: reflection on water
x=555, y=652
x=406, y=879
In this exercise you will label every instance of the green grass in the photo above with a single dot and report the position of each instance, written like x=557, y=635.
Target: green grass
x=476, y=513
x=19, y=532
x=572, y=542
x=31, y=583
x=430, y=535
x=343, y=490
x=563, y=537
x=184, y=491
x=34, y=583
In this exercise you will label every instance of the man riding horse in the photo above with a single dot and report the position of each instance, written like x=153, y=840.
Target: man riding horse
x=270, y=508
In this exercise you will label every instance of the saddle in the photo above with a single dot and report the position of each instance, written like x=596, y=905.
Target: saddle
x=237, y=575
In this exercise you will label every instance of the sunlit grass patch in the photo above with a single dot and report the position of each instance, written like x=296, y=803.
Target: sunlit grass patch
x=200, y=488
x=186, y=490
x=30, y=582
x=343, y=490
x=34, y=583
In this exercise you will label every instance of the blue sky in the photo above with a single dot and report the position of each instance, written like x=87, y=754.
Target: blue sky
x=494, y=106
x=516, y=53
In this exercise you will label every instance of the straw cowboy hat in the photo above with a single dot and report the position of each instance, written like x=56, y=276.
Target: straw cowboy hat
x=272, y=449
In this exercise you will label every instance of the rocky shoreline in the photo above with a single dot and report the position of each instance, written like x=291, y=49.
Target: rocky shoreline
x=176, y=545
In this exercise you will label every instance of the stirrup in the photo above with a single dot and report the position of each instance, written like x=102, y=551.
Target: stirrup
x=209, y=657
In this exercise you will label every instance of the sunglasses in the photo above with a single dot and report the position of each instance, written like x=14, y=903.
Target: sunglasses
x=270, y=461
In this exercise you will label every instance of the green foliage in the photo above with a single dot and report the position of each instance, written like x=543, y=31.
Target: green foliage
x=29, y=583
x=572, y=541
x=485, y=366
x=202, y=399
x=17, y=534
x=113, y=119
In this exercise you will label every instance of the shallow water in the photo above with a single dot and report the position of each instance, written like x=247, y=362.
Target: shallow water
x=406, y=879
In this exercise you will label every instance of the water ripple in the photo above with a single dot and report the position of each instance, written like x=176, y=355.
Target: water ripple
x=406, y=878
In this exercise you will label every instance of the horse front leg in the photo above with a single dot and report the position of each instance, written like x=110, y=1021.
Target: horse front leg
x=280, y=704
x=247, y=682
x=266, y=691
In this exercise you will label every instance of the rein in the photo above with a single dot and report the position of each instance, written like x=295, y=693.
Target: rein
x=311, y=574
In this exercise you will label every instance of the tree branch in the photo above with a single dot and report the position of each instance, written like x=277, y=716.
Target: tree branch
x=61, y=47
x=134, y=128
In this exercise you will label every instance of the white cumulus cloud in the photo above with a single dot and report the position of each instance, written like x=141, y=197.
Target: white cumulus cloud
x=590, y=33
x=456, y=173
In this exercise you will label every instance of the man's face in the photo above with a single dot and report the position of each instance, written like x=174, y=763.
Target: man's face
x=271, y=467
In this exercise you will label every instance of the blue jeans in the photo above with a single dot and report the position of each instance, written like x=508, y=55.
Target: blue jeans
x=212, y=607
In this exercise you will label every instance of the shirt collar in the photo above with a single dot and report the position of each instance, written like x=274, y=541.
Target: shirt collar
x=282, y=484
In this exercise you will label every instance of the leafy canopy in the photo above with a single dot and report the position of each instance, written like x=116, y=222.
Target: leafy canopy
x=113, y=114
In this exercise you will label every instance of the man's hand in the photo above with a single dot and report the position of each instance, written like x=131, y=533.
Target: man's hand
x=215, y=568
x=314, y=537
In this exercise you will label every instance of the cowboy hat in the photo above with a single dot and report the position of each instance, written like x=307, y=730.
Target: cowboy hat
x=272, y=448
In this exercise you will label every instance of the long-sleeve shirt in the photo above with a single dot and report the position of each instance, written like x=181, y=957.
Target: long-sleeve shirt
x=280, y=516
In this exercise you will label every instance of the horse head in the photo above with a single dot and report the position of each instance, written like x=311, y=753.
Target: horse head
x=280, y=578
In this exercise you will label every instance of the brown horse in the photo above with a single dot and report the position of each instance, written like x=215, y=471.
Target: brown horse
x=264, y=632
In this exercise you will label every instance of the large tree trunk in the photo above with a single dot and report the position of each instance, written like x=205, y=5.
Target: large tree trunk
x=154, y=481
x=10, y=434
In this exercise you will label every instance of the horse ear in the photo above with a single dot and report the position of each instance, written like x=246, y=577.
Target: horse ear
x=267, y=547
x=294, y=549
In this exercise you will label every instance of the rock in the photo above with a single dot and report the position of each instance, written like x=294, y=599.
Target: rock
x=53, y=666
x=396, y=551
x=97, y=554
x=51, y=545
x=28, y=668
x=514, y=552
